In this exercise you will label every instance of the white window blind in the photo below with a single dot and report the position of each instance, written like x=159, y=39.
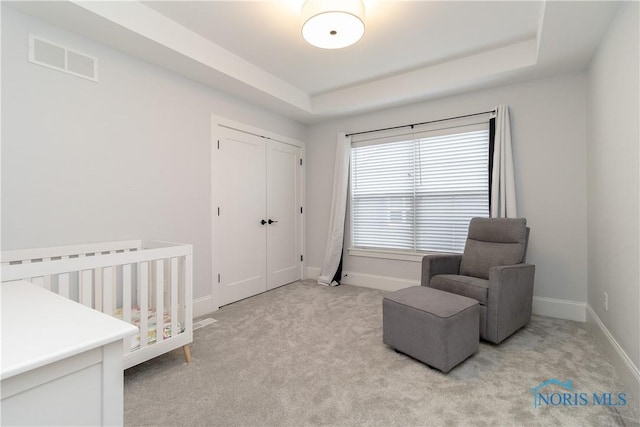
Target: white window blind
x=419, y=195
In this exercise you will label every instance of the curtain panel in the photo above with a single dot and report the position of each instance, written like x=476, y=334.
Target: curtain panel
x=332, y=264
x=502, y=188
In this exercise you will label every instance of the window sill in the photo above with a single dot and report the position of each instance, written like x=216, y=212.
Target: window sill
x=394, y=255
x=387, y=254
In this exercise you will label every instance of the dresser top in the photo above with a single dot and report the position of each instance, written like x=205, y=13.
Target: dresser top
x=40, y=327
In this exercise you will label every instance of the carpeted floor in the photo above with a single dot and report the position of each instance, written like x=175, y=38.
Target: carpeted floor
x=305, y=354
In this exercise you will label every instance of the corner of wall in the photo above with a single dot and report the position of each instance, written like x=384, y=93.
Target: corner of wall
x=311, y=272
x=559, y=309
x=623, y=364
x=204, y=305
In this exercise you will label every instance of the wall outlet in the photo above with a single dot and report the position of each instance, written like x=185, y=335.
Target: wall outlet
x=606, y=301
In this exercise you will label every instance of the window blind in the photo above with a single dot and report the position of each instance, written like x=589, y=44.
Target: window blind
x=419, y=195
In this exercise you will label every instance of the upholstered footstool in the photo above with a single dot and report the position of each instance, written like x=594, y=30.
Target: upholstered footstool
x=438, y=328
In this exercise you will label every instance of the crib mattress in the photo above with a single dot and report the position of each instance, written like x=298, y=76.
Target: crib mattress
x=151, y=326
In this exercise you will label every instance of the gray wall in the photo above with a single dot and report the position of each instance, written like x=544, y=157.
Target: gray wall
x=613, y=180
x=549, y=143
x=125, y=158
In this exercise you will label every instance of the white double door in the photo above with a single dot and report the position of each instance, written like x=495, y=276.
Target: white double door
x=258, y=223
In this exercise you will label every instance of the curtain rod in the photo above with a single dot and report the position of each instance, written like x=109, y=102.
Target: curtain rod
x=422, y=123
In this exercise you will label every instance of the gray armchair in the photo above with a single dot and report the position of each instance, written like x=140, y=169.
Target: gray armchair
x=492, y=270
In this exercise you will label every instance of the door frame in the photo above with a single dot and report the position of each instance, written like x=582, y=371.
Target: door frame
x=213, y=300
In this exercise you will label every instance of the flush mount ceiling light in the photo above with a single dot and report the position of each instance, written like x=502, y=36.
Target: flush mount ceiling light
x=332, y=24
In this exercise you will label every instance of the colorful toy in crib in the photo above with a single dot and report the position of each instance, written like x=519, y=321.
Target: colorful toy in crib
x=151, y=325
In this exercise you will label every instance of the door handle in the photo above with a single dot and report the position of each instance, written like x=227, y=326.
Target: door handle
x=263, y=222
x=271, y=221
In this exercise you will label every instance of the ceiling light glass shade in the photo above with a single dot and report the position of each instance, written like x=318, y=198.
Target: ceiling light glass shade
x=332, y=24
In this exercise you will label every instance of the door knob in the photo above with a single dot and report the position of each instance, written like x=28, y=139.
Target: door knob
x=263, y=222
x=271, y=221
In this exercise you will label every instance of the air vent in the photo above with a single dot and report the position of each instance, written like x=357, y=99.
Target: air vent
x=57, y=57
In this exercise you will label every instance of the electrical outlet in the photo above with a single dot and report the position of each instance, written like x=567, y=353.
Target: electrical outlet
x=606, y=302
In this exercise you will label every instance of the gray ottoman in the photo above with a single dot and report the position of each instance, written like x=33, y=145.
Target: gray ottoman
x=438, y=328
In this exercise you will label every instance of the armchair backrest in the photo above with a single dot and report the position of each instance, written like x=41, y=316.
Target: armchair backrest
x=492, y=242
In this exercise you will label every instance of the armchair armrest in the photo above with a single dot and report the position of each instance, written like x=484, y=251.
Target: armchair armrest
x=439, y=264
x=510, y=299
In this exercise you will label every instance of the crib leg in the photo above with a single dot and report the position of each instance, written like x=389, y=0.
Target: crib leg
x=187, y=353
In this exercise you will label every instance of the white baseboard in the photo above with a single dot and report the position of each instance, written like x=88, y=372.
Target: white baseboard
x=625, y=367
x=203, y=305
x=384, y=283
x=550, y=307
x=312, y=273
x=560, y=308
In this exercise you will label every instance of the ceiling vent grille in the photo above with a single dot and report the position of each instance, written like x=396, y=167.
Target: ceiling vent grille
x=52, y=55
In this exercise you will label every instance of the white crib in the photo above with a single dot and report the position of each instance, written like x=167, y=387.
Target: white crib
x=146, y=283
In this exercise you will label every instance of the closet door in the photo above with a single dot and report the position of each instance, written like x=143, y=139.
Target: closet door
x=239, y=237
x=283, y=209
x=258, y=219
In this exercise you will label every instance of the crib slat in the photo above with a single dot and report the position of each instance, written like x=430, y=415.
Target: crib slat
x=114, y=289
x=167, y=287
x=126, y=293
x=38, y=281
x=97, y=288
x=85, y=284
x=174, y=296
x=108, y=286
x=47, y=279
x=188, y=293
x=86, y=288
x=181, y=293
x=126, y=301
x=47, y=283
x=159, y=300
x=63, y=284
x=143, y=285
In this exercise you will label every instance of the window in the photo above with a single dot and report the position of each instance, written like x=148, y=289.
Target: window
x=419, y=194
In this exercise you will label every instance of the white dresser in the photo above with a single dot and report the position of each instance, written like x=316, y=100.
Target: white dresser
x=61, y=361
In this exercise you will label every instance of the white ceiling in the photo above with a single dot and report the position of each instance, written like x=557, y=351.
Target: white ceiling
x=399, y=36
x=411, y=50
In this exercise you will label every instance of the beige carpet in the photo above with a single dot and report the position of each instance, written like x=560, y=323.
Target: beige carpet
x=305, y=354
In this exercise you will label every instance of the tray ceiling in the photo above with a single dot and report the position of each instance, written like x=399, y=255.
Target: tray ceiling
x=411, y=50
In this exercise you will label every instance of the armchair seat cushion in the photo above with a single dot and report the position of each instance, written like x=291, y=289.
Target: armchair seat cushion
x=468, y=286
